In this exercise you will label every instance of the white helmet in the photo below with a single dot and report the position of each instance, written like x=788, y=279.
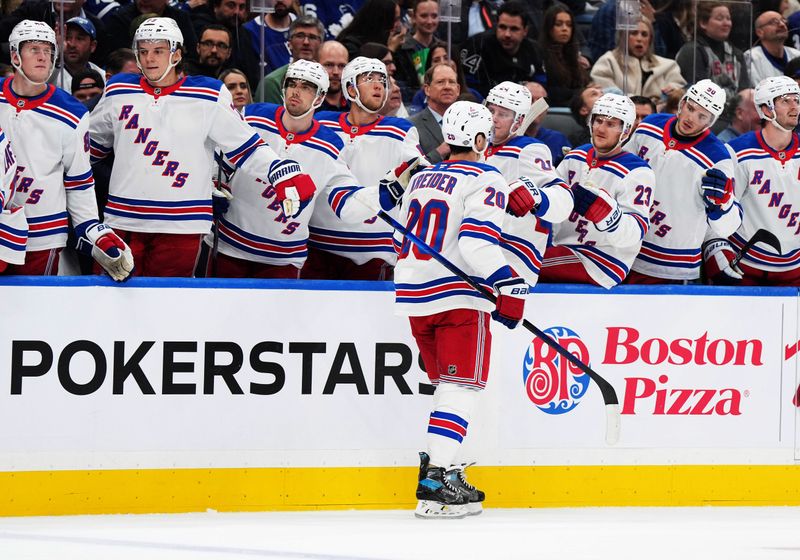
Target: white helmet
x=617, y=107
x=312, y=72
x=363, y=65
x=29, y=30
x=511, y=96
x=159, y=29
x=708, y=95
x=464, y=121
x=770, y=89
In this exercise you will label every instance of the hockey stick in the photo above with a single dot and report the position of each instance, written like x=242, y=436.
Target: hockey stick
x=760, y=236
x=609, y=394
x=537, y=108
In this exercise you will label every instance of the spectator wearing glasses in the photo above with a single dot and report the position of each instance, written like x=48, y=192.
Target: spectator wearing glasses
x=769, y=58
x=232, y=14
x=305, y=38
x=213, y=52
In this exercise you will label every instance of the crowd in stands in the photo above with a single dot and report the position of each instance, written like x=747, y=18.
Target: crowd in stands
x=570, y=53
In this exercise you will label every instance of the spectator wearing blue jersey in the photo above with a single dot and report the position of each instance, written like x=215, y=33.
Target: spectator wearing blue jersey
x=275, y=27
x=335, y=15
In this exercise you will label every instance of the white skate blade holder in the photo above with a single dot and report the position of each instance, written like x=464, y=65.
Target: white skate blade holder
x=428, y=509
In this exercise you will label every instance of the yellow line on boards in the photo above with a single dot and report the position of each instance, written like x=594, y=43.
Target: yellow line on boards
x=294, y=489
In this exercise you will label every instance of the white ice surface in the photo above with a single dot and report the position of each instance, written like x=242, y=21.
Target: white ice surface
x=734, y=533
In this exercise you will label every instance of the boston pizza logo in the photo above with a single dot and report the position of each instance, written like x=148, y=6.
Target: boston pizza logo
x=552, y=383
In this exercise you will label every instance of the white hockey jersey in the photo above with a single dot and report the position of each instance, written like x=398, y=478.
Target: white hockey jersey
x=254, y=227
x=13, y=226
x=163, y=141
x=343, y=226
x=525, y=239
x=678, y=220
x=762, y=65
x=767, y=188
x=607, y=256
x=53, y=181
x=455, y=207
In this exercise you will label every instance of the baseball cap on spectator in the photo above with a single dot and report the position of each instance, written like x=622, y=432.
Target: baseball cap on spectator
x=81, y=80
x=86, y=25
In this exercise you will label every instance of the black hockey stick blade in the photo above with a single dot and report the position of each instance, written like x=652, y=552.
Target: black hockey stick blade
x=760, y=236
x=613, y=419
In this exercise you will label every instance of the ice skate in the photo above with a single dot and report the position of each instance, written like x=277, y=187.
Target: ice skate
x=438, y=497
x=457, y=477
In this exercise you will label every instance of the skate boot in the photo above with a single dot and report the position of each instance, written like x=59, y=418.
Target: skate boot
x=437, y=497
x=458, y=478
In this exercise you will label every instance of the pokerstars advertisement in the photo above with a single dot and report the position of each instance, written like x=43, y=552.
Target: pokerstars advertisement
x=688, y=371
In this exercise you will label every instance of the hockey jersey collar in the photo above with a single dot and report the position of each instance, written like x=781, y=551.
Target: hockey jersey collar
x=671, y=142
x=160, y=91
x=26, y=103
x=595, y=161
x=781, y=155
x=355, y=130
x=293, y=137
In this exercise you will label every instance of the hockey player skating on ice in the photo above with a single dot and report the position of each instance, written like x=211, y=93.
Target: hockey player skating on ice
x=601, y=239
x=457, y=207
x=163, y=128
x=13, y=226
x=48, y=130
x=541, y=197
x=340, y=248
x=693, y=199
x=767, y=171
x=256, y=239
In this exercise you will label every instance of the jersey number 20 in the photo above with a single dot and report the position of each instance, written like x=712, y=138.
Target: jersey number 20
x=429, y=223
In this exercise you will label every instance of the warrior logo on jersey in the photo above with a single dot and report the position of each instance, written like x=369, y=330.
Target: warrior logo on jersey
x=552, y=383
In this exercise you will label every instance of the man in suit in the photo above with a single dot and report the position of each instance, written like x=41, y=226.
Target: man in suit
x=442, y=90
